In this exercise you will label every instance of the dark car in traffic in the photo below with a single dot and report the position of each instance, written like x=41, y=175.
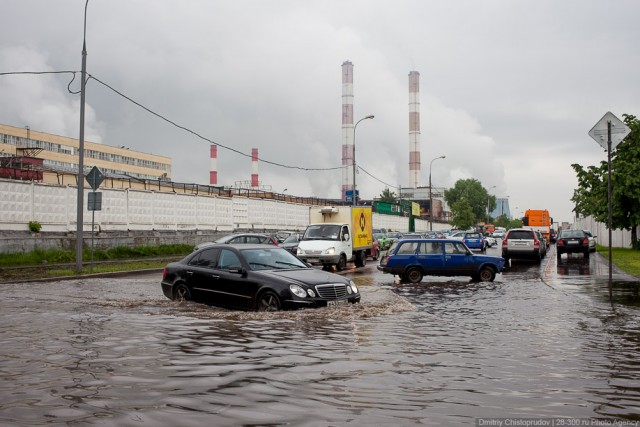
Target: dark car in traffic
x=572, y=241
x=412, y=259
x=254, y=277
x=291, y=243
x=393, y=236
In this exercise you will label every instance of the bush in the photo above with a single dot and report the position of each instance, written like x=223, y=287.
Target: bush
x=35, y=226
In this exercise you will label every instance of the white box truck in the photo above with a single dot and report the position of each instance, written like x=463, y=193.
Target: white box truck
x=337, y=235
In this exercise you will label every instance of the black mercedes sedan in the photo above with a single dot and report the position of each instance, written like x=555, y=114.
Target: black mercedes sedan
x=254, y=277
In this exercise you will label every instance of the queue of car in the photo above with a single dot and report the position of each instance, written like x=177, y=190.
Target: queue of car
x=261, y=272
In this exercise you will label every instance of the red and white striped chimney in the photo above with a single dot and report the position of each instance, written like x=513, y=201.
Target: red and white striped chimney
x=254, y=168
x=414, y=129
x=347, y=128
x=213, y=172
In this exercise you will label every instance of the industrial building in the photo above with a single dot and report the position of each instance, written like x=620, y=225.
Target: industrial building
x=60, y=153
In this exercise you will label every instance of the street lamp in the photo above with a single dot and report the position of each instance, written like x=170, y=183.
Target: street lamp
x=431, y=195
x=354, y=198
x=80, y=202
x=489, y=202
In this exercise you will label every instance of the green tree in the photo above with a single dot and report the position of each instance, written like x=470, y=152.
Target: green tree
x=476, y=196
x=590, y=197
x=504, y=221
x=462, y=216
x=388, y=196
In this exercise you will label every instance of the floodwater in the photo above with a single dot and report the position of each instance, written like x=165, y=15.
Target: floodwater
x=541, y=341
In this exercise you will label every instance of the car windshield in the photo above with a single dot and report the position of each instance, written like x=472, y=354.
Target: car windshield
x=322, y=232
x=271, y=259
x=293, y=238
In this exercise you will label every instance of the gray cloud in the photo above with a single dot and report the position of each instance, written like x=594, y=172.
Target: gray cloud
x=508, y=91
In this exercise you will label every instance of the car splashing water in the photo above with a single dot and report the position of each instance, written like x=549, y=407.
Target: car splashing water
x=443, y=352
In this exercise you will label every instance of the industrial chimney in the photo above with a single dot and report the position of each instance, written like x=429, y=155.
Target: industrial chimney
x=213, y=172
x=414, y=129
x=347, y=128
x=254, y=168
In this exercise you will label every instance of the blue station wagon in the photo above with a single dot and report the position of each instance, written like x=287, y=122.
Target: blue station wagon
x=415, y=258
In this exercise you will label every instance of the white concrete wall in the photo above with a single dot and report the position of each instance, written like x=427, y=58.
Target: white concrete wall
x=54, y=207
x=619, y=238
x=391, y=222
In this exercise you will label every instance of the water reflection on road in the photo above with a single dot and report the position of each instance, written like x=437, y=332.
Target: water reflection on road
x=541, y=341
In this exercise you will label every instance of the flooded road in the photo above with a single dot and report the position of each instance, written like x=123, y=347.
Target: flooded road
x=541, y=341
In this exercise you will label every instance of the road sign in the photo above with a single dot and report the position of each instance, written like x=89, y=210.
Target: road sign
x=95, y=178
x=601, y=130
x=350, y=193
x=94, y=203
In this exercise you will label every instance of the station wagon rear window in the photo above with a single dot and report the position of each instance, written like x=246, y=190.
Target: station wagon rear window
x=408, y=248
x=521, y=234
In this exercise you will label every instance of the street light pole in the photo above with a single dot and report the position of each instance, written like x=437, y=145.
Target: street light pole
x=80, y=205
x=354, y=198
x=431, y=194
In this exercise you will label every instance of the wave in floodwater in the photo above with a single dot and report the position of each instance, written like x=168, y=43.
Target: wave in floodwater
x=443, y=352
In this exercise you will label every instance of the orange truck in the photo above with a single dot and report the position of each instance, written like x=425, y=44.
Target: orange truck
x=538, y=219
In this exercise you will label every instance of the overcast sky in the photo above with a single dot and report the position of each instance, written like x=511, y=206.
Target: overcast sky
x=508, y=89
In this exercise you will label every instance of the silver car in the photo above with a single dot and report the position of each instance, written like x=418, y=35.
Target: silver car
x=592, y=240
x=522, y=243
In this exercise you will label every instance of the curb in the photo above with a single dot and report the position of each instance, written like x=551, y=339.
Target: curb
x=87, y=276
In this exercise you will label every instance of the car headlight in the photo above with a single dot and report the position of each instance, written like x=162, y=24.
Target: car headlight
x=354, y=288
x=299, y=251
x=298, y=291
x=330, y=251
x=311, y=293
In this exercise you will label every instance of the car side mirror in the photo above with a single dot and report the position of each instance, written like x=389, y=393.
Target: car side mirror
x=238, y=270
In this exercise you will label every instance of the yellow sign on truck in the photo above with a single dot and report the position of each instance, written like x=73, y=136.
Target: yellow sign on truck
x=337, y=235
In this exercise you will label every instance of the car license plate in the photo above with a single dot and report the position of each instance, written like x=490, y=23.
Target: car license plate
x=336, y=303
x=313, y=260
x=572, y=242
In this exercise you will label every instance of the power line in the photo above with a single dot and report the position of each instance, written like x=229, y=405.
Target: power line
x=184, y=128
x=205, y=138
x=377, y=179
